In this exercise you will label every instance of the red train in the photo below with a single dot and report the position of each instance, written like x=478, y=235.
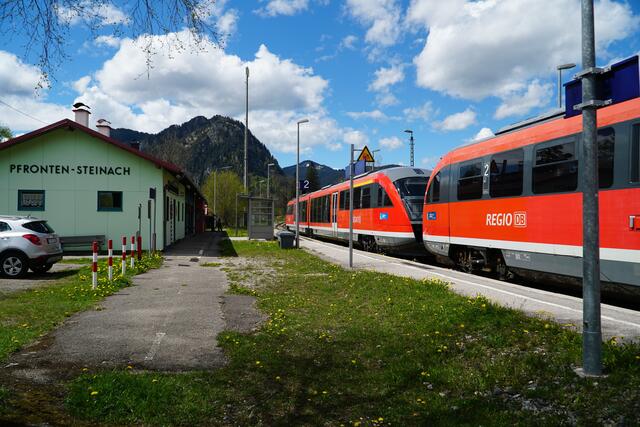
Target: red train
x=387, y=210
x=514, y=203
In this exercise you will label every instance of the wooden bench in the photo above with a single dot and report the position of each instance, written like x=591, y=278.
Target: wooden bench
x=70, y=241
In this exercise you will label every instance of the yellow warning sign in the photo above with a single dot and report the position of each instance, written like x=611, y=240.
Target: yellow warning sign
x=365, y=155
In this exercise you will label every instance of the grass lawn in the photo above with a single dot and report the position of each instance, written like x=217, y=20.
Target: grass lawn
x=362, y=348
x=27, y=315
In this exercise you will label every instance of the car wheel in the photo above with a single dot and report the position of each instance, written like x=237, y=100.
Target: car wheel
x=40, y=269
x=13, y=265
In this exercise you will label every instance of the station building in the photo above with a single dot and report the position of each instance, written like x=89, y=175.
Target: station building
x=84, y=183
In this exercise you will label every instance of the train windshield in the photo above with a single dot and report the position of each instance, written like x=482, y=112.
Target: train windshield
x=412, y=193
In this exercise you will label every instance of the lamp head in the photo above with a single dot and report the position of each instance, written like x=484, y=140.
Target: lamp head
x=271, y=164
x=247, y=71
x=409, y=131
x=565, y=66
x=303, y=121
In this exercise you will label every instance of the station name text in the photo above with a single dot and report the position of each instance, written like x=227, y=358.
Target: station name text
x=67, y=170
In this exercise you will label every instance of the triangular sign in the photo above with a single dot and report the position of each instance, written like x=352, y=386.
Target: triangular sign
x=365, y=155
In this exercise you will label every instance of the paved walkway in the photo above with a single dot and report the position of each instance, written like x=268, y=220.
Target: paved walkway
x=168, y=320
x=565, y=309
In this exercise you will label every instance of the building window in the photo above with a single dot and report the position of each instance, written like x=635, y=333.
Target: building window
x=556, y=169
x=30, y=200
x=470, y=181
x=507, y=174
x=110, y=201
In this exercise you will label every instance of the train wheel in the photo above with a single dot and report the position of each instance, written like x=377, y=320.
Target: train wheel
x=463, y=261
x=369, y=244
x=501, y=269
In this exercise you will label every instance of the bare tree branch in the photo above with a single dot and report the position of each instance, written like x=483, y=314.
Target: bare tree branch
x=45, y=26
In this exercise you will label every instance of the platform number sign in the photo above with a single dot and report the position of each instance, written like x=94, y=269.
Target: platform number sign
x=304, y=185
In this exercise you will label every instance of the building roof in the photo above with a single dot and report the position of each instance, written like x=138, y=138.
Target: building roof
x=70, y=124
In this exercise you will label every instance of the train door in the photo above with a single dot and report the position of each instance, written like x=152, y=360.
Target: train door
x=334, y=214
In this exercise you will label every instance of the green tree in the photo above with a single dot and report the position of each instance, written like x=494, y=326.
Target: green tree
x=5, y=133
x=228, y=184
x=313, y=178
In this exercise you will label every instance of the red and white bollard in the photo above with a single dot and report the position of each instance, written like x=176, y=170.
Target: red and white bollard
x=124, y=255
x=94, y=266
x=133, y=251
x=139, y=247
x=110, y=248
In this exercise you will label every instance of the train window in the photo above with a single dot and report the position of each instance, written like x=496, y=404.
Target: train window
x=606, y=145
x=433, y=193
x=356, y=197
x=327, y=209
x=289, y=209
x=470, y=181
x=556, y=169
x=635, y=154
x=507, y=174
x=384, y=200
x=366, y=197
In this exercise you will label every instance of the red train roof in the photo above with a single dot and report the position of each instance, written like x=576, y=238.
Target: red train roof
x=543, y=132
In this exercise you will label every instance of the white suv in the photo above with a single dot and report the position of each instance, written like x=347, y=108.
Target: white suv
x=27, y=242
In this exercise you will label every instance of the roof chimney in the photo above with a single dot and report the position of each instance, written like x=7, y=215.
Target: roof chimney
x=82, y=113
x=104, y=127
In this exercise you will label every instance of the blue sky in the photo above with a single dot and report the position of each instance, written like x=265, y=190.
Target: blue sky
x=362, y=71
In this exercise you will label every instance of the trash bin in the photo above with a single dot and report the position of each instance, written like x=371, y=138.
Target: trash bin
x=286, y=239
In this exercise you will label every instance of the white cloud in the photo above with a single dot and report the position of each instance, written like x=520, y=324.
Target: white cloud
x=482, y=134
x=16, y=77
x=519, y=103
x=81, y=84
x=457, y=121
x=382, y=17
x=356, y=137
x=188, y=84
x=423, y=112
x=227, y=23
x=478, y=49
x=103, y=13
x=386, y=77
x=375, y=115
x=211, y=80
x=282, y=7
x=109, y=41
x=349, y=42
x=391, y=143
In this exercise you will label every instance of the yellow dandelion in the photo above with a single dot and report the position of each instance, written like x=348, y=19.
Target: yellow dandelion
x=94, y=393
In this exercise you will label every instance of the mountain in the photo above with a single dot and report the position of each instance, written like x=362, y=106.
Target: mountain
x=201, y=145
x=327, y=174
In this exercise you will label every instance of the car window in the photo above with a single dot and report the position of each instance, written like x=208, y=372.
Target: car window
x=38, y=227
x=4, y=226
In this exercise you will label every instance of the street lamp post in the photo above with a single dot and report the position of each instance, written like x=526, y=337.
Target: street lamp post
x=268, y=186
x=246, y=131
x=410, y=132
x=215, y=186
x=560, y=68
x=298, y=184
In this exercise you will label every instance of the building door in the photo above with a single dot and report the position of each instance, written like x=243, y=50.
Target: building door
x=173, y=220
x=334, y=214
